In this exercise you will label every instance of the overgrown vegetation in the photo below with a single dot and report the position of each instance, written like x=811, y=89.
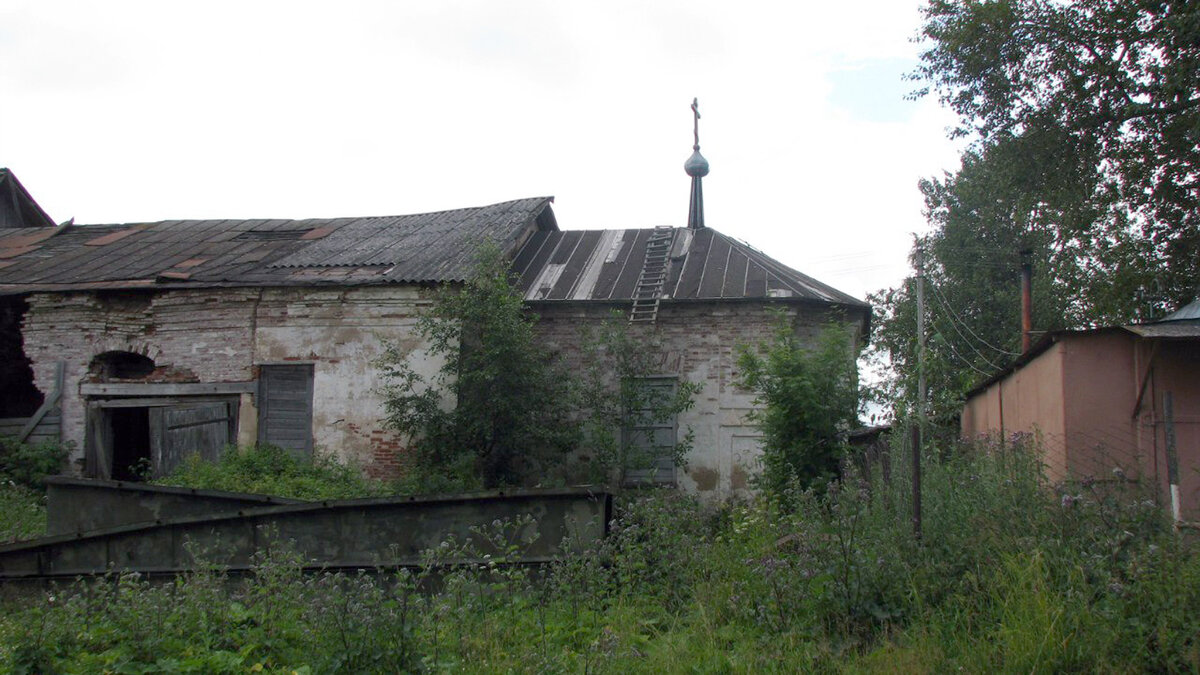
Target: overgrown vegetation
x=617, y=402
x=808, y=398
x=271, y=470
x=511, y=411
x=504, y=410
x=23, y=470
x=1012, y=575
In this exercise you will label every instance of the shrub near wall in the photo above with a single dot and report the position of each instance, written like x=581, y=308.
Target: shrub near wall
x=23, y=469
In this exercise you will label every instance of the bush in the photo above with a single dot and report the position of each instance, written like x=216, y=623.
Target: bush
x=809, y=400
x=22, y=512
x=28, y=464
x=510, y=417
x=271, y=470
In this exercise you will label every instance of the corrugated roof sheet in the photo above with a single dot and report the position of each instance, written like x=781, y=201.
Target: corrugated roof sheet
x=1189, y=328
x=1188, y=311
x=705, y=264
x=415, y=248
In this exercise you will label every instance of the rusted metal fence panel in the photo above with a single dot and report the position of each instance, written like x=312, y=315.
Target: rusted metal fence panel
x=75, y=505
x=351, y=534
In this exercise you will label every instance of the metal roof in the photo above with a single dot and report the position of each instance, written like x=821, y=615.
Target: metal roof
x=705, y=265
x=17, y=208
x=428, y=247
x=1188, y=311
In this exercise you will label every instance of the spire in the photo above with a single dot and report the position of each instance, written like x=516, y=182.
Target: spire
x=696, y=167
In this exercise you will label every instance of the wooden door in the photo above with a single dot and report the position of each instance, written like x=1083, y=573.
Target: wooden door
x=177, y=431
x=285, y=398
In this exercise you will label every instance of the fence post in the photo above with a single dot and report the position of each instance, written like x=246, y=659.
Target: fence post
x=1172, y=457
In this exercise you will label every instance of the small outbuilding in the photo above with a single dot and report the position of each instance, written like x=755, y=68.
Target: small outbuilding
x=1097, y=401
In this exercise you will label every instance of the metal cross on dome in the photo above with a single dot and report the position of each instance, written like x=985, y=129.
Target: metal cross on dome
x=696, y=123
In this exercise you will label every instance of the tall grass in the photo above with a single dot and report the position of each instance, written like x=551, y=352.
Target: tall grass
x=1011, y=575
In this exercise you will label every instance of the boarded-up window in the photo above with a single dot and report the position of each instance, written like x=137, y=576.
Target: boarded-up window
x=649, y=436
x=285, y=407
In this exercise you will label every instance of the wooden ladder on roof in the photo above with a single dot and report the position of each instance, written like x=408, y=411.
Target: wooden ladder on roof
x=653, y=277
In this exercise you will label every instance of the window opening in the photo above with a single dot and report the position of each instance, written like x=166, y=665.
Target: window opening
x=649, y=436
x=121, y=366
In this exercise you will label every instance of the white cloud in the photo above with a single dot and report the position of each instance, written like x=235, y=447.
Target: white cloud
x=124, y=111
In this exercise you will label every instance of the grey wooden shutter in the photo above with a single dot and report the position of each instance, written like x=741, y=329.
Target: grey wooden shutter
x=285, y=407
x=650, y=442
x=179, y=430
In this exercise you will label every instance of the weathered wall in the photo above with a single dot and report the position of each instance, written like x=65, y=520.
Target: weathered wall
x=343, y=332
x=1029, y=400
x=1175, y=368
x=699, y=342
x=205, y=334
x=221, y=335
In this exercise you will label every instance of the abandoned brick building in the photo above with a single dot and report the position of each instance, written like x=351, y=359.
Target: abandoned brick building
x=140, y=342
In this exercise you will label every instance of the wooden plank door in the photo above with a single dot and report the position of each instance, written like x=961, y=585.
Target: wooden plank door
x=285, y=407
x=177, y=431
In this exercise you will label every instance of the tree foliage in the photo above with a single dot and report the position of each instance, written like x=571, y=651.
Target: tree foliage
x=505, y=410
x=614, y=401
x=1103, y=96
x=1085, y=117
x=499, y=408
x=808, y=398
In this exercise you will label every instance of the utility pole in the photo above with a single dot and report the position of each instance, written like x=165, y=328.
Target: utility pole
x=1026, y=299
x=917, y=428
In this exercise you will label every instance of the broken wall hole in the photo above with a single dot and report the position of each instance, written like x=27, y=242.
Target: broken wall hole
x=19, y=397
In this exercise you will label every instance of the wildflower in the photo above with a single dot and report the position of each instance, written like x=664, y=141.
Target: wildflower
x=1088, y=481
x=1067, y=501
x=1118, y=473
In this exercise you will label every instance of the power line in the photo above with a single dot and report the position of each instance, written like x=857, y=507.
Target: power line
x=946, y=304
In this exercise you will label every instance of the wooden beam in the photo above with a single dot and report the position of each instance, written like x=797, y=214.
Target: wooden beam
x=1145, y=379
x=155, y=401
x=47, y=405
x=157, y=389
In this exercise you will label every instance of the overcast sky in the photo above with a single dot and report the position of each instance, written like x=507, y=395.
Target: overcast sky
x=135, y=111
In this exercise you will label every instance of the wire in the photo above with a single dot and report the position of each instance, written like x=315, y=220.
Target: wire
x=946, y=304
x=970, y=365
x=978, y=353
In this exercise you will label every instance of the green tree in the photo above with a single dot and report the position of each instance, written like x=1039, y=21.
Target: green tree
x=1085, y=117
x=615, y=401
x=503, y=410
x=808, y=398
x=1102, y=97
x=499, y=410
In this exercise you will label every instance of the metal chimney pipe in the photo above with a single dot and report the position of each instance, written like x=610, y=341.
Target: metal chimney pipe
x=1026, y=300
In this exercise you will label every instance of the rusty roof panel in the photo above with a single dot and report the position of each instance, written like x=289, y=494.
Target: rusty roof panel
x=423, y=247
x=705, y=264
x=113, y=237
x=573, y=267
